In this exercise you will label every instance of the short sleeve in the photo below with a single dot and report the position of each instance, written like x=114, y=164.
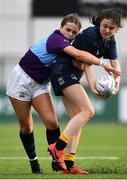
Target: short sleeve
x=86, y=41
x=56, y=43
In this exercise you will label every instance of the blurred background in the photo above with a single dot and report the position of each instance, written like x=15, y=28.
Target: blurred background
x=24, y=22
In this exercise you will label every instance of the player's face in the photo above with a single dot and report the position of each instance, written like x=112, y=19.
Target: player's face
x=107, y=28
x=69, y=30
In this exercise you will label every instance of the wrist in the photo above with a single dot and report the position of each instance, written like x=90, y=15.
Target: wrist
x=102, y=63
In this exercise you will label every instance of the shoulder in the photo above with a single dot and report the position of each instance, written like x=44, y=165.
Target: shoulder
x=90, y=32
x=57, y=36
x=56, y=42
x=87, y=35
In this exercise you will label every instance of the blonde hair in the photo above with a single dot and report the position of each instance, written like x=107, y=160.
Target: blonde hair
x=72, y=18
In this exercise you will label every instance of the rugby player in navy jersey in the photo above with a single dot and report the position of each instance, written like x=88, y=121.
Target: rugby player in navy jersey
x=98, y=40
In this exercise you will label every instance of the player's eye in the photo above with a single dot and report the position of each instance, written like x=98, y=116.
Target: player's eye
x=70, y=30
x=110, y=27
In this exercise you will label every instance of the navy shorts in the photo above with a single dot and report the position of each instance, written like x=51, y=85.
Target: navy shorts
x=60, y=80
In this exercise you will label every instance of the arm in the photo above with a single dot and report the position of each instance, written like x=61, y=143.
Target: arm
x=86, y=57
x=90, y=78
x=116, y=65
x=91, y=81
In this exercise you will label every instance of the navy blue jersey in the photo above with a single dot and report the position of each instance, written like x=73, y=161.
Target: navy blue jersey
x=38, y=59
x=91, y=41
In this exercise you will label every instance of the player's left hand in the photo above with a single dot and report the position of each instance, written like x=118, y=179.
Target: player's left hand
x=103, y=97
x=94, y=90
x=97, y=93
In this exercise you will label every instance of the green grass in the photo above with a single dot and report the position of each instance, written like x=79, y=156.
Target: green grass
x=97, y=141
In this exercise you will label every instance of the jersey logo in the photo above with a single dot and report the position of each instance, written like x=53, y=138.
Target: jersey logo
x=61, y=81
x=22, y=94
x=73, y=77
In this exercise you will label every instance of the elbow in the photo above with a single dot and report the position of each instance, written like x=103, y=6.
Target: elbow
x=83, y=57
x=78, y=56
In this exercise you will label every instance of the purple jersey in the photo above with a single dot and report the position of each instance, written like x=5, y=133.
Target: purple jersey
x=38, y=59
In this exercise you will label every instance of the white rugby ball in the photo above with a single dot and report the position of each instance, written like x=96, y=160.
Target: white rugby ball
x=106, y=85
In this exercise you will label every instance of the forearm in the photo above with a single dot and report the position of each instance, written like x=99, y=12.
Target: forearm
x=82, y=56
x=116, y=65
x=86, y=57
x=89, y=75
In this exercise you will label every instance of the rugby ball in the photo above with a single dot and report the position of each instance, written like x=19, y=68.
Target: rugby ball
x=106, y=86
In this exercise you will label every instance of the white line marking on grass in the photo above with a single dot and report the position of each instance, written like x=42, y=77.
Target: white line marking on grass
x=104, y=147
x=49, y=158
x=82, y=147
x=63, y=179
x=98, y=158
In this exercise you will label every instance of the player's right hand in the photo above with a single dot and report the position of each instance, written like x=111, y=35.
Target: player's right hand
x=111, y=70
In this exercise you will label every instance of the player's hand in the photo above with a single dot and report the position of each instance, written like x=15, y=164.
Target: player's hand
x=97, y=93
x=103, y=97
x=111, y=70
x=116, y=88
x=117, y=81
x=94, y=90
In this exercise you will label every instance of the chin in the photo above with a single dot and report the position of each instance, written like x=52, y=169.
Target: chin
x=106, y=37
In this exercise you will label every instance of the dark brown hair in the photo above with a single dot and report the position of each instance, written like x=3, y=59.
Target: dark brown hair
x=72, y=18
x=113, y=14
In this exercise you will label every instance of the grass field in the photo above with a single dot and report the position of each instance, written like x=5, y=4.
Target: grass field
x=102, y=151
